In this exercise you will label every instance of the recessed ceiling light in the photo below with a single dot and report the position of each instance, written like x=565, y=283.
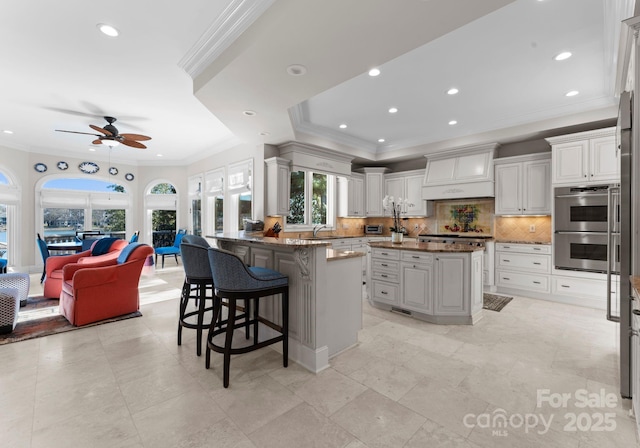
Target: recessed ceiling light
x=374, y=72
x=572, y=93
x=393, y=110
x=7, y=131
x=297, y=70
x=452, y=91
x=92, y=149
x=452, y=122
x=562, y=56
x=107, y=30
x=380, y=140
x=159, y=155
x=249, y=113
x=343, y=126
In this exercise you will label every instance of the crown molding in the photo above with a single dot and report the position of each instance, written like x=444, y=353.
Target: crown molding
x=234, y=20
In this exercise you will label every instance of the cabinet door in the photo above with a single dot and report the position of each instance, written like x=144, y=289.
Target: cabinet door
x=394, y=187
x=451, y=292
x=417, y=286
x=413, y=187
x=509, y=189
x=278, y=186
x=570, y=162
x=374, y=184
x=604, y=164
x=536, y=191
x=356, y=196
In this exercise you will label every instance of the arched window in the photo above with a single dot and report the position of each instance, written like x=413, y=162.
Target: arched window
x=72, y=205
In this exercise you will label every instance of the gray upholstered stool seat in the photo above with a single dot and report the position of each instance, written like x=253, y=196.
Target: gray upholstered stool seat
x=17, y=280
x=198, y=285
x=9, y=307
x=234, y=281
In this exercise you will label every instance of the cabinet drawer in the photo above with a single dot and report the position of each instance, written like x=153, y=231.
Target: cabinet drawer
x=385, y=292
x=416, y=257
x=579, y=287
x=386, y=276
x=528, y=282
x=389, y=254
x=385, y=265
x=522, y=262
x=524, y=248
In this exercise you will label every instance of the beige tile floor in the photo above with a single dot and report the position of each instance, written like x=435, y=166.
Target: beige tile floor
x=406, y=384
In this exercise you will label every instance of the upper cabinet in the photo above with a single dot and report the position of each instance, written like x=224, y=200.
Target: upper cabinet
x=585, y=158
x=408, y=185
x=523, y=185
x=461, y=173
x=277, y=185
x=374, y=191
x=351, y=196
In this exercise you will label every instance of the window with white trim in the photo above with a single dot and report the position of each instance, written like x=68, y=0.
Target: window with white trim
x=311, y=200
x=240, y=182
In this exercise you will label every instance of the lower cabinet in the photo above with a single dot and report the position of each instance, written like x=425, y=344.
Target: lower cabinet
x=525, y=267
x=440, y=287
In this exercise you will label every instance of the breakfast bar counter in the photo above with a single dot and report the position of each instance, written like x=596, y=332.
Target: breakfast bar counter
x=325, y=292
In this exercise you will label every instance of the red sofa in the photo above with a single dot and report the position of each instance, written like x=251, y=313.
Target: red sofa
x=98, y=291
x=54, y=264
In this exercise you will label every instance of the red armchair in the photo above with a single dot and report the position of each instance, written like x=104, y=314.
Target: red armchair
x=101, y=250
x=98, y=291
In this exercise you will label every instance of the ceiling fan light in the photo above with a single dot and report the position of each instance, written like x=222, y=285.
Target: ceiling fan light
x=110, y=143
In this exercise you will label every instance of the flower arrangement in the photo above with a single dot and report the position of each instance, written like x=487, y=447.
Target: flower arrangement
x=397, y=208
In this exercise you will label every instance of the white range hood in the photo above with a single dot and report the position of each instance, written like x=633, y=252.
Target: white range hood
x=460, y=173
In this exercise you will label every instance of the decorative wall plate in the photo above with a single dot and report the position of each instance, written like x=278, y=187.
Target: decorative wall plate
x=113, y=170
x=40, y=167
x=88, y=167
x=128, y=176
x=62, y=165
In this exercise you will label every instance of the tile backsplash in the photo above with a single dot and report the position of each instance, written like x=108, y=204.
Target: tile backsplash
x=518, y=228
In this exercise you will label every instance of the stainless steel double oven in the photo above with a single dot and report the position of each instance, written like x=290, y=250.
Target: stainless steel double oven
x=587, y=228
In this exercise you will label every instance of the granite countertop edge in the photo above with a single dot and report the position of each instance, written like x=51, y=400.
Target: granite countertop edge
x=426, y=247
x=544, y=243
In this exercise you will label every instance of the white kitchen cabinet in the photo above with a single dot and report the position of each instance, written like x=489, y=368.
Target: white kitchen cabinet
x=488, y=266
x=451, y=291
x=351, y=196
x=585, y=158
x=374, y=191
x=277, y=186
x=416, y=276
x=408, y=185
x=523, y=267
x=523, y=185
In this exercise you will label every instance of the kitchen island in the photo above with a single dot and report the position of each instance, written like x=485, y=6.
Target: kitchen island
x=436, y=282
x=325, y=292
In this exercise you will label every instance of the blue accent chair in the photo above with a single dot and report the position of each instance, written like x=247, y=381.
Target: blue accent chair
x=134, y=237
x=171, y=250
x=44, y=251
x=3, y=265
x=233, y=281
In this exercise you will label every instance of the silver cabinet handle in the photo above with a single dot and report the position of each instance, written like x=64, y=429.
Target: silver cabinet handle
x=565, y=286
x=536, y=248
x=384, y=253
x=384, y=292
x=538, y=263
x=415, y=256
x=537, y=283
x=506, y=278
x=383, y=275
x=508, y=261
x=384, y=264
x=636, y=312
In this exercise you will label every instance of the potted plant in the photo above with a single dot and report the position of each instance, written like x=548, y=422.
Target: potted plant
x=396, y=208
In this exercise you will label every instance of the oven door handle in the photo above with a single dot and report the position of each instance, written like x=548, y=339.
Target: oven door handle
x=582, y=195
x=576, y=232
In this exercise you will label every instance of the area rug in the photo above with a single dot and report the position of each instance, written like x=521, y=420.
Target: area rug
x=40, y=318
x=494, y=302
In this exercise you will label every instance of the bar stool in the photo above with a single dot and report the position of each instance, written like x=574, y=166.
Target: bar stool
x=234, y=280
x=197, y=282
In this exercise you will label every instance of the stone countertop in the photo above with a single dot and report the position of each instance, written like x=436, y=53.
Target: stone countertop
x=337, y=254
x=425, y=247
x=256, y=237
x=548, y=243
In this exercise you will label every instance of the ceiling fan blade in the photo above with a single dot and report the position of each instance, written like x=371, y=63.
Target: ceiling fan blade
x=137, y=137
x=76, y=132
x=132, y=143
x=104, y=131
x=97, y=142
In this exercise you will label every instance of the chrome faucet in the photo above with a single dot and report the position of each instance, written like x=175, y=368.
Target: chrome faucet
x=317, y=228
